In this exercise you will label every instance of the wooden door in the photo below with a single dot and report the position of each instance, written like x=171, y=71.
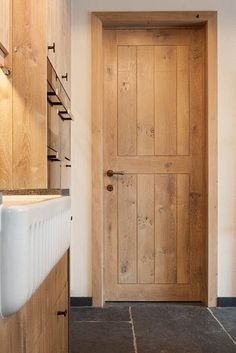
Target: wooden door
x=154, y=130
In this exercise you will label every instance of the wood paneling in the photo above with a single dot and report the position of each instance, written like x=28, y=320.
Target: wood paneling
x=36, y=327
x=149, y=20
x=145, y=100
x=97, y=161
x=5, y=25
x=29, y=95
x=183, y=99
x=6, y=124
x=165, y=221
x=183, y=229
x=127, y=216
x=165, y=100
x=127, y=68
x=150, y=216
x=146, y=228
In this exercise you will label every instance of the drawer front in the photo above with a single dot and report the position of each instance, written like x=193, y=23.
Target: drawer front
x=65, y=129
x=53, y=128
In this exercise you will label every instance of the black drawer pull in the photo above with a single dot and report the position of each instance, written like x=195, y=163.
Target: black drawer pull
x=65, y=77
x=52, y=47
x=62, y=313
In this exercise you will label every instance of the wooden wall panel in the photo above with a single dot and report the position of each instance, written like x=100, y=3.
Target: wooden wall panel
x=165, y=234
x=127, y=100
x=29, y=94
x=145, y=100
x=165, y=100
x=5, y=30
x=183, y=100
x=183, y=229
x=6, y=118
x=127, y=219
x=146, y=228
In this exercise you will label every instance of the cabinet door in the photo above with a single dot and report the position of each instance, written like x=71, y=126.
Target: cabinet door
x=61, y=326
x=4, y=26
x=59, y=20
x=51, y=30
x=66, y=43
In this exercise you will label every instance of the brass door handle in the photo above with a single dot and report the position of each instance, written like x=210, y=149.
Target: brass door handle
x=110, y=173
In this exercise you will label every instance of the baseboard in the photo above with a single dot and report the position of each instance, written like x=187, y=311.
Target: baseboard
x=81, y=301
x=226, y=301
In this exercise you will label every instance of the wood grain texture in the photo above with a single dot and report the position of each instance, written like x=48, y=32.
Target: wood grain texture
x=127, y=68
x=109, y=151
x=127, y=240
x=212, y=172
x=145, y=100
x=146, y=228
x=154, y=19
x=29, y=95
x=165, y=233
x=97, y=160
x=36, y=327
x=5, y=26
x=183, y=229
x=6, y=121
x=165, y=100
x=183, y=99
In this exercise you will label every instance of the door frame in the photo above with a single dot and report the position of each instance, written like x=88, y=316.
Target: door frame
x=135, y=20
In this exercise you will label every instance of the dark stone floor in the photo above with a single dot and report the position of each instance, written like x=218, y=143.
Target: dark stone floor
x=153, y=328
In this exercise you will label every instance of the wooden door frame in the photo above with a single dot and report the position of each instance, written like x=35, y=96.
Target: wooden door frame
x=133, y=20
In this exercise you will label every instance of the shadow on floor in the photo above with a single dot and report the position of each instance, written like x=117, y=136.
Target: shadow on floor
x=153, y=328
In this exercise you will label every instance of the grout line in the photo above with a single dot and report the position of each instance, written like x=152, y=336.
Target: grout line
x=132, y=324
x=222, y=326
x=101, y=321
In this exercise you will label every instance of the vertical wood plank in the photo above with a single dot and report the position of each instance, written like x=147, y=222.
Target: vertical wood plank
x=97, y=161
x=183, y=230
x=183, y=88
x=29, y=75
x=197, y=185
x=165, y=100
x=127, y=120
x=127, y=224
x=165, y=232
x=110, y=150
x=145, y=100
x=6, y=119
x=146, y=219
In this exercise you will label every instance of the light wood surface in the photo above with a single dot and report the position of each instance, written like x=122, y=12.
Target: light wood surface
x=37, y=328
x=5, y=30
x=175, y=165
x=173, y=193
x=6, y=119
x=59, y=32
x=97, y=159
x=29, y=95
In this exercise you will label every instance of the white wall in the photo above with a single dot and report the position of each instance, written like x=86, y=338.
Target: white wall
x=81, y=137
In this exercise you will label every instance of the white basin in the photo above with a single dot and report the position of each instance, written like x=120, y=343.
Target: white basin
x=34, y=236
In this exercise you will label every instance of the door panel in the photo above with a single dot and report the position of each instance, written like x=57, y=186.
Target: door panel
x=154, y=131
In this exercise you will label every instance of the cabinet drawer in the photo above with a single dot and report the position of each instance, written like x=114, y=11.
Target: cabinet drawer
x=65, y=133
x=65, y=174
x=54, y=174
x=53, y=128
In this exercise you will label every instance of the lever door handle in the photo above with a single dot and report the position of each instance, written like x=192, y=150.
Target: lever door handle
x=110, y=173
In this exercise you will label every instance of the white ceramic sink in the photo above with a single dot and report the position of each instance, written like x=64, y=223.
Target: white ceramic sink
x=35, y=234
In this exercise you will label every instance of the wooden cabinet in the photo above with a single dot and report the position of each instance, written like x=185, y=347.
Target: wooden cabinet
x=33, y=27
x=42, y=325
x=58, y=39
x=4, y=27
